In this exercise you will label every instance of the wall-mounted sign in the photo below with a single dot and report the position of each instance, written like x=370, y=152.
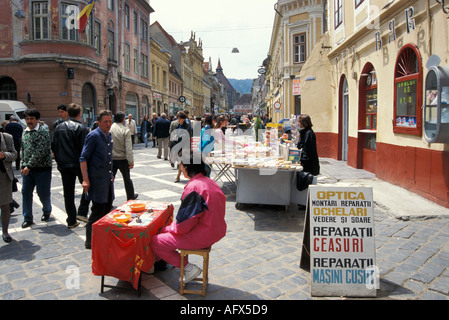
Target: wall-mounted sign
x=296, y=87
x=341, y=244
x=157, y=96
x=277, y=107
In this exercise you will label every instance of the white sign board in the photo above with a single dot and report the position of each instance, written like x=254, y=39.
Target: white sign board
x=342, y=248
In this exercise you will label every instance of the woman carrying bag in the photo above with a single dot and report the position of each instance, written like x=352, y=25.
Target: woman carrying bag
x=7, y=155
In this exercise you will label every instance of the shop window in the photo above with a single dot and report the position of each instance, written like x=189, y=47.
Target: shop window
x=132, y=105
x=408, y=92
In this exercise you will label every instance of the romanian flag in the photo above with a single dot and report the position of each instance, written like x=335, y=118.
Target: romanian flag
x=84, y=15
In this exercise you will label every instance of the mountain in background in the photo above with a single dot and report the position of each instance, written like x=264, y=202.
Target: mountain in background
x=243, y=86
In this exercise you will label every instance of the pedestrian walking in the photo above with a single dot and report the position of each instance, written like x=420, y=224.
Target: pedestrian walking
x=63, y=115
x=153, y=121
x=146, y=128
x=207, y=140
x=67, y=144
x=161, y=132
x=15, y=129
x=96, y=167
x=7, y=155
x=122, y=153
x=36, y=167
x=131, y=125
x=180, y=132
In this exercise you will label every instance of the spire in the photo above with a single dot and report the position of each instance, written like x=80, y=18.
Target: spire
x=219, y=68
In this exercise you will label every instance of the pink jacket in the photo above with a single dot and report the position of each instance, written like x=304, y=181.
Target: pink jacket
x=201, y=218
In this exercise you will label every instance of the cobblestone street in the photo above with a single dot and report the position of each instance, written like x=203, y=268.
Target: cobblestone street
x=257, y=260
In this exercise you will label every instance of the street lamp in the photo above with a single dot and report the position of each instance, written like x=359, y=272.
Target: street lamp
x=235, y=50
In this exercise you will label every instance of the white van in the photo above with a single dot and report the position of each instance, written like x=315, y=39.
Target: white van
x=12, y=107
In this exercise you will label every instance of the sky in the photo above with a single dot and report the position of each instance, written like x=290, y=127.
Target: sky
x=221, y=26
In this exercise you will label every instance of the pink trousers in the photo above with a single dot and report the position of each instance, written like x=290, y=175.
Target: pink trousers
x=164, y=247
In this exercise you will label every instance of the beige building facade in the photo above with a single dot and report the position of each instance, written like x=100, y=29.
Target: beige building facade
x=297, y=28
x=364, y=85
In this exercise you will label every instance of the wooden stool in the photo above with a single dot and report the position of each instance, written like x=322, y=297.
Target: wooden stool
x=204, y=279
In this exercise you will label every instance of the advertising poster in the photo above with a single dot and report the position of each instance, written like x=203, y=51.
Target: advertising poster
x=342, y=242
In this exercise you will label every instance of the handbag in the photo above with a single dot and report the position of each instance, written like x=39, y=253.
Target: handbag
x=303, y=180
x=14, y=184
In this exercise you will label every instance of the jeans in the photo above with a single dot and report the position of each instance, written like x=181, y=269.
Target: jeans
x=123, y=166
x=145, y=139
x=42, y=181
x=68, y=177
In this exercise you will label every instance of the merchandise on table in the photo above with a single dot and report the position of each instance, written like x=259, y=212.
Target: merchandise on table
x=128, y=214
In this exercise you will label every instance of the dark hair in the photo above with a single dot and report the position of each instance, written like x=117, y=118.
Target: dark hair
x=209, y=120
x=305, y=121
x=219, y=121
x=62, y=107
x=32, y=113
x=119, y=117
x=74, y=110
x=181, y=115
x=104, y=113
x=192, y=166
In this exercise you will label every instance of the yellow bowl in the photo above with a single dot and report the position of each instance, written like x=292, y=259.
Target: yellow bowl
x=122, y=217
x=137, y=207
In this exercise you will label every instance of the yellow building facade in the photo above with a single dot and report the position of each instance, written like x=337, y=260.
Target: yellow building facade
x=296, y=29
x=159, y=68
x=192, y=74
x=364, y=86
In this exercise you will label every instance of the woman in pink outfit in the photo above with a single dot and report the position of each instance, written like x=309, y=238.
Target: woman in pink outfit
x=221, y=141
x=200, y=221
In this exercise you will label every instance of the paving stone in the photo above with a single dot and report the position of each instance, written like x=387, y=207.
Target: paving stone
x=258, y=258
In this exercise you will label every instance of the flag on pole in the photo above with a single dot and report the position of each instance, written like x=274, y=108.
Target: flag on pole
x=84, y=15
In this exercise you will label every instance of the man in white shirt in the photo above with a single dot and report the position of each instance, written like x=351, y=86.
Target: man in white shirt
x=122, y=153
x=130, y=123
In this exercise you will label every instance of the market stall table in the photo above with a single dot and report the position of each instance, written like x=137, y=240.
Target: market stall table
x=270, y=186
x=223, y=170
x=121, y=241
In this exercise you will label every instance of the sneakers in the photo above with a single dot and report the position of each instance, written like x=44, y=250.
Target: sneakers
x=76, y=224
x=192, y=274
x=82, y=218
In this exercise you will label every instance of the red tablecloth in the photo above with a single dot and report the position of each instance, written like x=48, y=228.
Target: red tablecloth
x=122, y=251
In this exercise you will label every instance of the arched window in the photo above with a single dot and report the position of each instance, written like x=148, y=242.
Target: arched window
x=8, y=89
x=408, y=92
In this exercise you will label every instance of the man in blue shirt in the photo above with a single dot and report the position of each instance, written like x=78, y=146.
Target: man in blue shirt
x=96, y=167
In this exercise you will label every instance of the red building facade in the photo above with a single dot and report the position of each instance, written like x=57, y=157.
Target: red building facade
x=45, y=61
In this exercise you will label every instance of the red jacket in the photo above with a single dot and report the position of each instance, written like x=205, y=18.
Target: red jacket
x=201, y=218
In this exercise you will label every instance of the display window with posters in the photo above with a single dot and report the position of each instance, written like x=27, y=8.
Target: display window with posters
x=408, y=91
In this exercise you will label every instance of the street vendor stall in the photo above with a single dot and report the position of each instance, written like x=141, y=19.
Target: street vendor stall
x=121, y=240
x=265, y=172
